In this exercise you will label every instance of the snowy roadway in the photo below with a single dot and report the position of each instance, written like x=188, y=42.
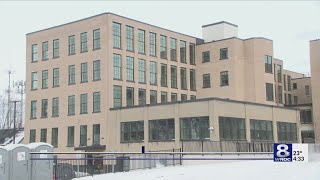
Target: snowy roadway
x=245, y=170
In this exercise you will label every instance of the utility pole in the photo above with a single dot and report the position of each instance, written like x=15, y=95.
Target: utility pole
x=21, y=90
x=9, y=100
x=14, y=120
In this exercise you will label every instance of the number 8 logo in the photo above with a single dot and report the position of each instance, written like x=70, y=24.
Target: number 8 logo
x=282, y=151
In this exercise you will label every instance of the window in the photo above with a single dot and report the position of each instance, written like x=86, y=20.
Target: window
x=206, y=56
x=268, y=64
x=174, y=97
x=116, y=30
x=72, y=45
x=70, y=139
x=193, y=97
x=142, y=96
x=223, y=53
x=34, y=80
x=183, y=76
x=163, y=47
x=164, y=97
x=192, y=53
x=96, y=102
x=153, y=73
x=194, y=128
x=269, y=92
x=117, y=67
x=44, y=108
x=45, y=51
x=279, y=73
x=44, y=79
x=84, y=42
x=132, y=131
x=206, y=81
x=232, y=128
x=173, y=49
x=152, y=43
x=142, y=71
x=153, y=97
x=295, y=100
x=56, y=77
x=84, y=72
x=307, y=89
x=33, y=113
x=289, y=83
x=305, y=116
x=174, y=77
x=130, y=96
x=83, y=103
x=284, y=83
x=96, y=70
x=71, y=105
x=289, y=99
x=117, y=96
x=285, y=98
x=129, y=38
x=56, y=48
x=183, y=52
x=275, y=70
x=224, y=78
x=161, y=130
x=96, y=39
x=72, y=74
x=141, y=41
x=96, y=134
x=192, y=79
x=163, y=75
x=280, y=95
x=287, y=132
x=32, y=136
x=83, y=135
x=261, y=130
x=130, y=69
x=294, y=86
x=54, y=137
x=43, y=135
x=55, y=107
x=35, y=53
x=184, y=97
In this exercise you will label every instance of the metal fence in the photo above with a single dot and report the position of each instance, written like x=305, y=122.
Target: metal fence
x=88, y=164
x=226, y=146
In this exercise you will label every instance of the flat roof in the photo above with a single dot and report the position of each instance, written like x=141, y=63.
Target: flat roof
x=203, y=99
x=221, y=22
x=236, y=38
x=106, y=13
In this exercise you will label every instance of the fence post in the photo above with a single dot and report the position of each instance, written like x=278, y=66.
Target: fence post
x=202, y=146
x=55, y=163
x=180, y=157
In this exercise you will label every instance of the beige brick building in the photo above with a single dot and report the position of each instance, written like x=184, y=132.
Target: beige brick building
x=111, y=83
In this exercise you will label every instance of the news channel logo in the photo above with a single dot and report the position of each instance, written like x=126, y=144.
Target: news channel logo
x=282, y=152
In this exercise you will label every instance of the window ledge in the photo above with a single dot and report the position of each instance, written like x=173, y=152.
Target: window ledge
x=34, y=61
x=34, y=89
x=70, y=146
x=205, y=61
x=31, y=118
x=55, y=116
x=142, y=53
x=71, y=114
x=55, y=86
x=132, y=51
x=71, y=54
x=155, y=141
x=96, y=112
x=43, y=117
x=56, y=57
x=44, y=88
x=83, y=81
x=124, y=142
x=71, y=84
x=96, y=49
x=84, y=113
x=117, y=48
x=45, y=59
x=84, y=51
x=206, y=87
x=224, y=85
x=223, y=59
x=117, y=79
x=96, y=80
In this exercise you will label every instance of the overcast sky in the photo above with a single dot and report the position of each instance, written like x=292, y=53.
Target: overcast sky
x=289, y=24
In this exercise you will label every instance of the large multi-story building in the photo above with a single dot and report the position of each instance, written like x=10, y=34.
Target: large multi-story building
x=315, y=84
x=112, y=83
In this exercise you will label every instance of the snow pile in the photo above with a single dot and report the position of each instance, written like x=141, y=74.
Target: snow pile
x=245, y=170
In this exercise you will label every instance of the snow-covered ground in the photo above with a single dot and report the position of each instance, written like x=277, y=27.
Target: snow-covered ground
x=19, y=138
x=244, y=170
